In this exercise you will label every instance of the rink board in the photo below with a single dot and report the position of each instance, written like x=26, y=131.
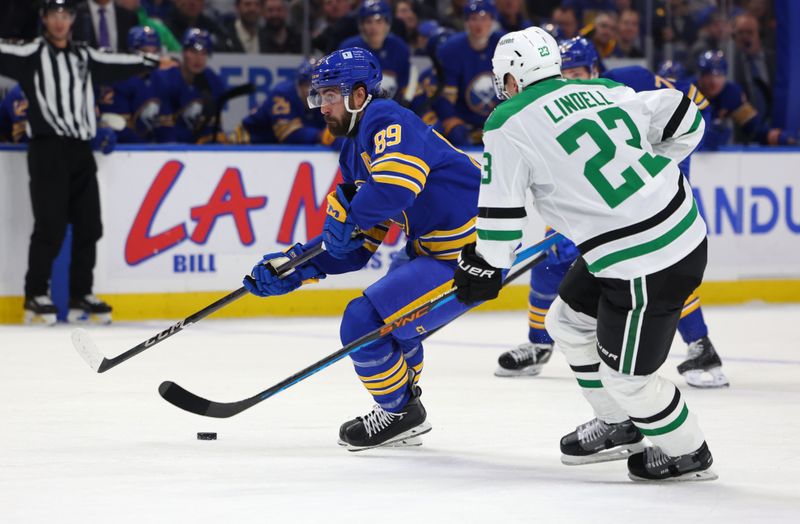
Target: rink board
x=181, y=227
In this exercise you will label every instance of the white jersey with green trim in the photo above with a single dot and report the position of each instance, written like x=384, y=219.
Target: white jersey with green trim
x=602, y=164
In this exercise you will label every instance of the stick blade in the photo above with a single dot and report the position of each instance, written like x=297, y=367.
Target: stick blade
x=188, y=401
x=86, y=348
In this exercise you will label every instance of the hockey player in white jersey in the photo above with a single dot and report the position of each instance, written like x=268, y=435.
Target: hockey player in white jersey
x=601, y=162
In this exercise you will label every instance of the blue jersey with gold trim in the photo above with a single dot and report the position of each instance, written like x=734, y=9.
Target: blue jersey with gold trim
x=135, y=100
x=187, y=111
x=468, y=85
x=395, y=60
x=285, y=118
x=14, y=116
x=408, y=173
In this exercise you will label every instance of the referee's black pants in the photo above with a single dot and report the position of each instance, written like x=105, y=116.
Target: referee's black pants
x=63, y=188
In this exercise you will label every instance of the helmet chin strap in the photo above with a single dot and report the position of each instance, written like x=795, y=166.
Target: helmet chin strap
x=355, y=113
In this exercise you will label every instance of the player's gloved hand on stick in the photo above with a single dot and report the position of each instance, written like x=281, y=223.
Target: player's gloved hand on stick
x=475, y=279
x=339, y=227
x=562, y=252
x=105, y=140
x=264, y=280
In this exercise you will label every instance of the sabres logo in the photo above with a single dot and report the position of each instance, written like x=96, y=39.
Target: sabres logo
x=389, y=83
x=480, y=95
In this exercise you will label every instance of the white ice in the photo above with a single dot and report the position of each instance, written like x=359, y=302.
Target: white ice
x=76, y=446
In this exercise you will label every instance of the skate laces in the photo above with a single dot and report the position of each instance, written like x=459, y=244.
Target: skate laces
x=378, y=419
x=655, y=458
x=43, y=300
x=592, y=430
x=522, y=354
x=696, y=349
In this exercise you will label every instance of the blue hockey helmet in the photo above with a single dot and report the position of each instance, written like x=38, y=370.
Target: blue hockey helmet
x=579, y=52
x=436, y=40
x=345, y=69
x=143, y=36
x=712, y=63
x=672, y=69
x=372, y=8
x=304, y=70
x=197, y=39
x=480, y=6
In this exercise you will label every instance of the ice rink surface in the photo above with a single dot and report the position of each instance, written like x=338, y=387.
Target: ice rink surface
x=76, y=446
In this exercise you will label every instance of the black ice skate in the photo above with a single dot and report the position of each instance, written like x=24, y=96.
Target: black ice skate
x=89, y=308
x=597, y=441
x=703, y=367
x=409, y=442
x=526, y=360
x=382, y=428
x=654, y=464
x=39, y=310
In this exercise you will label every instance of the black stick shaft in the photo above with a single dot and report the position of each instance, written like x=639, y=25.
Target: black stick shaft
x=188, y=401
x=203, y=313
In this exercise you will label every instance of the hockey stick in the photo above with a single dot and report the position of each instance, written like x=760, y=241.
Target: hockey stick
x=230, y=94
x=188, y=401
x=86, y=347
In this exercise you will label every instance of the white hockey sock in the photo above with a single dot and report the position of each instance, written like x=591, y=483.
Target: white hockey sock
x=574, y=334
x=657, y=408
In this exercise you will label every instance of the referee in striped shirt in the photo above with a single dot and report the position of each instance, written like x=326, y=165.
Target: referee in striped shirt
x=56, y=75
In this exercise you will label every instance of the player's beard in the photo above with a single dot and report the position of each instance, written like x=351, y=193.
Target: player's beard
x=338, y=127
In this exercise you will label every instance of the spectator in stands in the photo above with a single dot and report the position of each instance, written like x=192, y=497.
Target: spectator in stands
x=603, y=33
x=406, y=11
x=468, y=95
x=714, y=30
x=628, y=44
x=340, y=23
x=188, y=14
x=103, y=24
x=586, y=11
x=166, y=37
x=247, y=35
x=566, y=22
x=280, y=36
x=189, y=94
x=754, y=66
x=762, y=11
x=374, y=21
x=511, y=15
x=674, y=26
x=223, y=10
x=14, y=116
x=159, y=9
x=540, y=10
x=19, y=19
x=453, y=15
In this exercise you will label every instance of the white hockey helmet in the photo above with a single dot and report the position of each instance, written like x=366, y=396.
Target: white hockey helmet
x=529, y=55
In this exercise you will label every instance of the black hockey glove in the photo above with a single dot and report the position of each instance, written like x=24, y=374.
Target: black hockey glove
x=475, y=279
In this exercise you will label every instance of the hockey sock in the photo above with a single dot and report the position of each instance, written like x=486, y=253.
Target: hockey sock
x=692, y=326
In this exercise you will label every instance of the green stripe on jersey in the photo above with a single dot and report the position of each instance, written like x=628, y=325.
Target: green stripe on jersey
x=530, y=94
x=590, y=384
x=648, y=247
x=493, y=234
x=633, y=326
x=695, y=124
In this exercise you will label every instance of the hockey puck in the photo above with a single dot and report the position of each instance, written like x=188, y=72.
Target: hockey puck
x=206, y=436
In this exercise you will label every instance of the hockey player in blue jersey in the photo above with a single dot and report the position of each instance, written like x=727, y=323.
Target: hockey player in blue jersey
x=285, y=117
x=427, y=99
x=468, y=95
x=188, y=94
x=131, y=107
x=702, y=367
x=729, y=105
x=374, y=23
x=14, y=116
x=396, y=170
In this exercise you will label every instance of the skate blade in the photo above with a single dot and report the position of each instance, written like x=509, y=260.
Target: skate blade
x=32, y=319
x=694, y=476
x=405, y=443
x=608, y=455
x=79, y=316
x=706, y=379
x=423, y=428
x=530, y=371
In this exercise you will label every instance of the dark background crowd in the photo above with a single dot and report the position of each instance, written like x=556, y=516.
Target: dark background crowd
x=655, y=33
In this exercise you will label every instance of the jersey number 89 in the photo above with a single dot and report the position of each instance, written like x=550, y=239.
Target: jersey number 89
x=391, y=136
x=613, y=196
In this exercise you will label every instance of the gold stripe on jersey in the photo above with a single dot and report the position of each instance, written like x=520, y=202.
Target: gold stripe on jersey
x=398, y=181
x=446, y=244
x=410, y=159
x=446, y=141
